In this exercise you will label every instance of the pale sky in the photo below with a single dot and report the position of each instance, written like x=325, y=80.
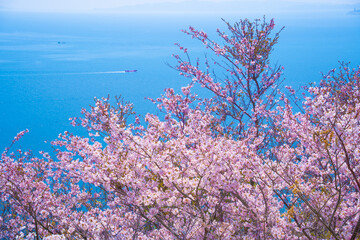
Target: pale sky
x=98, y=6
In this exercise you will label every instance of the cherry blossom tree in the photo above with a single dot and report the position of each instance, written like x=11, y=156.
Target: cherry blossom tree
x=251, y=82
x=241, y=164
x=317, y=160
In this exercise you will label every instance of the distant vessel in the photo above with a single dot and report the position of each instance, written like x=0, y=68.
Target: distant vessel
x=355, y=12
x=128, y=71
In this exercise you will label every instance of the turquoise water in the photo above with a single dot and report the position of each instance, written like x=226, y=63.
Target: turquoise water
x=47, y=62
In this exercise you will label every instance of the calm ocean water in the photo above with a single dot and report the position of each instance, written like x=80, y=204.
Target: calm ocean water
x=47, y=62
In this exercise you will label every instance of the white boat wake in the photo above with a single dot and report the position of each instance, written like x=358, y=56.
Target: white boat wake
x=90, y=73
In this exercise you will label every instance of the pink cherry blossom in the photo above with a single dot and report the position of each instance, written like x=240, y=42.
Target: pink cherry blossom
x=241, y=164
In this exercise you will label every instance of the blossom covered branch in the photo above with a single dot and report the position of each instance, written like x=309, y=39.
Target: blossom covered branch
x=239, y=165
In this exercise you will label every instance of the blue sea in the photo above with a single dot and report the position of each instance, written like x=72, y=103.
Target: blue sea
x=52, y=65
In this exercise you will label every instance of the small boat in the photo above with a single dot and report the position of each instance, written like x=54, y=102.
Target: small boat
x=355, y=12
x=128, y=71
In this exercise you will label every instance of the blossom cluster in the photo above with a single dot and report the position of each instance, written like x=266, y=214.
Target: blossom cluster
x=239, y=165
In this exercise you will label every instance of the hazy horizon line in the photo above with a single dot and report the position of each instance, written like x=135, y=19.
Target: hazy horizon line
x=175, y=6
